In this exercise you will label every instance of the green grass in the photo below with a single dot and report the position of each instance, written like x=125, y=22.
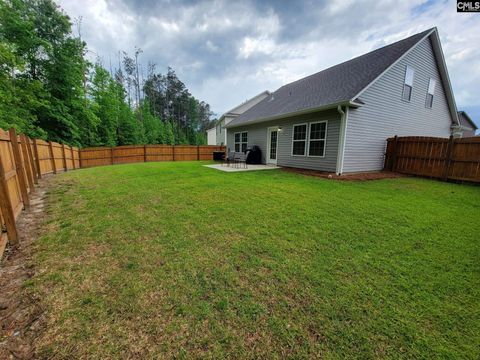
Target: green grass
x=177, y=260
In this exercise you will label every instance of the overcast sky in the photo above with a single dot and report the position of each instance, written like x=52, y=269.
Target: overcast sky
x=228, y=51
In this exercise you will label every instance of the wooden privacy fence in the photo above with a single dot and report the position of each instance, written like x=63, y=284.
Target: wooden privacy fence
x=100, y=156
x=454, y=159
x=23, y=161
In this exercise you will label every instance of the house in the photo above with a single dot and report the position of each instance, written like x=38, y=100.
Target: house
x=466, y=126
x=218, y=134
x=212, y=136
x=338, y=120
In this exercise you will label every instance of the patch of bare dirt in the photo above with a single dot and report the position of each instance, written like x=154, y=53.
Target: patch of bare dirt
x=374, y=175
x=21, y=315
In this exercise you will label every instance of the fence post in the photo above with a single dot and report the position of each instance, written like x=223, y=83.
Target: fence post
x=73, y=157
x=37, y=159
x=394, y=155
x=388, y=155
x=173, y=152
x=448, y=157
x=22, y=180
x=52, y=158
x=6, y=207
x=26, y=161
x=144, y=153
x=32, y=160
x=198, y=152
x=64, y=158
x=111, y=155
x=80, y=157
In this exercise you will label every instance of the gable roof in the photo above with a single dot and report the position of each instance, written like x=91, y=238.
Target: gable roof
x=236, y=109
x=338, y=85
x=466, y=121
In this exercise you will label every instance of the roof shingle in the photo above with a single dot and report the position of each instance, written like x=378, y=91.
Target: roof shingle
x=339, y=83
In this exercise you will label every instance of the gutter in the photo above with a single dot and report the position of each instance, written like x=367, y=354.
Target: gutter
x=295, y=113
x=342, y=138
x=461, y=127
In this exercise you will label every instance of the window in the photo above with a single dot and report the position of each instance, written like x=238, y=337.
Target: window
x=408, y=84
x=299, y=139
x=241, y=141
x=244, y=141
x=430, y=92
x=317, y=139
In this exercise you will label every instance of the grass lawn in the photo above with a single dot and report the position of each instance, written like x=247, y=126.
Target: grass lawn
x=177, y=260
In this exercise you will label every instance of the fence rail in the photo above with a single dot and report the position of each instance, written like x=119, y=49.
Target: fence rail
x=23, y=161
x=446, y=159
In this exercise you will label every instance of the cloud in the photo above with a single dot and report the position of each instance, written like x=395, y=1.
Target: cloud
x=229, y=51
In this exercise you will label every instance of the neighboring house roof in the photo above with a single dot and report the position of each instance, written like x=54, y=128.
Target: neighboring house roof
x=341, y=84
x=237, y=109
x=465, y=121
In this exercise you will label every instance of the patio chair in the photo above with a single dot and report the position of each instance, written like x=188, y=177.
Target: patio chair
x=229, y=159
x=240, y=158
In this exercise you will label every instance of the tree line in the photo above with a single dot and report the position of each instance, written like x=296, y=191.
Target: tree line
x=50, y=90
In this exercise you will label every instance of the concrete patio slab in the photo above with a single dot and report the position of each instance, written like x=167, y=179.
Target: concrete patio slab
x=250, y=167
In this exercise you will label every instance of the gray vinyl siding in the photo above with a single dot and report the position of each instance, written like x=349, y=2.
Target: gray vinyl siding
x=385, y=114
x=220, y=133
x=257, y=135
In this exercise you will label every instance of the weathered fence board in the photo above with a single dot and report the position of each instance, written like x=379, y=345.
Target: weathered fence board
x=454, y=159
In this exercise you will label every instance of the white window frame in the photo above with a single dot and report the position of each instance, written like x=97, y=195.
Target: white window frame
x=430, y=80
x=324, y=139
x=306, y=139
x=241, y=141
x=409, y=83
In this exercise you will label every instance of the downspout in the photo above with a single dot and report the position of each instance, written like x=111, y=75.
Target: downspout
x=225, y=143
x=341, y=140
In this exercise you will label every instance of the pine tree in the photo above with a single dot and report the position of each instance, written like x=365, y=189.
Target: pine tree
x=105, y=105
x=169, y=134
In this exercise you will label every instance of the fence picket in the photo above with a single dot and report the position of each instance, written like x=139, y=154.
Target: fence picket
x=65, y=168
x=6, y=207
x=37, y=159
x=52, y=157
x=22, y=180
x=31, y=159
x=73, y=158
x=26, y=162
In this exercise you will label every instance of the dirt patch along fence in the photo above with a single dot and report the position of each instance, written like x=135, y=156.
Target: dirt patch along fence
x=442, y=158
x=100, y=156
